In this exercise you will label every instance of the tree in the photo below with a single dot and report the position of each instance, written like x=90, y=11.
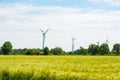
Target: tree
x=6, y=48
x=29, y=52
x=104, y=49
x=56, y=51
x=116, y=49
x=32, y=52
x=93, y=49
x=46, y=51
x=18, y=51
x=83, y=51
x=77, y=51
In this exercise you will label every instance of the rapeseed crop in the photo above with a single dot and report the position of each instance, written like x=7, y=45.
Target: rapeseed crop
x=59, y=67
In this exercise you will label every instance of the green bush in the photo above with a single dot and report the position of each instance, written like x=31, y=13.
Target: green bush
x=32, y=52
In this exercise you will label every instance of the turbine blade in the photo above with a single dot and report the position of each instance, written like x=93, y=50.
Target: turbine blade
x=41, y=30
x=46, y=31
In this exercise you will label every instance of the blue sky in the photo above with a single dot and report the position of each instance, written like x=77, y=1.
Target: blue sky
x=104, y=4
x=87, y=20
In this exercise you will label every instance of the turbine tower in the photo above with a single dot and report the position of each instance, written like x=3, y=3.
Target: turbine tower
x=44, y=35
x=107, y=41
x=98, y=42
x=73, y=39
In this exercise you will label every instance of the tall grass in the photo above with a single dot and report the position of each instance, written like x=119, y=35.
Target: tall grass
x=59, y=68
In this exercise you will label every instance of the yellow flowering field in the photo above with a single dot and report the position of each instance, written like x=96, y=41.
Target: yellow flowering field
x=21, y=67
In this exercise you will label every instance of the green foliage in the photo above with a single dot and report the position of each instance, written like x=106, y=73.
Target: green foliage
x=18, y=51
x=0, y=51
x=46, y=51
x=83, y=51
x=32, y=52
x=93, y=49
x=57, y=51
x=116, y=49
x=6, y=48
x=5, y=75
x=77, y=51
x=104, y=49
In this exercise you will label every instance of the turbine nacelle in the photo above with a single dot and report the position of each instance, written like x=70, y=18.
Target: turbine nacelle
x=44, y=32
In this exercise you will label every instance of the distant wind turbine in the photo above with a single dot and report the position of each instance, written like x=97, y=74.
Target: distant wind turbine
x=73, y=39
x=44, y=35
x=98, y=42
x=107, y=41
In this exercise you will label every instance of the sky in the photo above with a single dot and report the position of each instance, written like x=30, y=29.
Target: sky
x=88, y=21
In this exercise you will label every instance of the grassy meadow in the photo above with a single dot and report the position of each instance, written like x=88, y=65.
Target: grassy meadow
x=59, y=67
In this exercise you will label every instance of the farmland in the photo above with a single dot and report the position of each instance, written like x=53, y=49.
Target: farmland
x=16, y=67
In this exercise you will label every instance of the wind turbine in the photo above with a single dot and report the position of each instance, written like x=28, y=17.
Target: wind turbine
x=98, y=42
x=44, y=35
x=107, y=41
x=73, y=39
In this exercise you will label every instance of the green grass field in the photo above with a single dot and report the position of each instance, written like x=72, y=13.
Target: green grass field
x=59, y=67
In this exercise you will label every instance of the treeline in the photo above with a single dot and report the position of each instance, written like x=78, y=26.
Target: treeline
x=7, y=49
x=102, y=49
x=93, y=49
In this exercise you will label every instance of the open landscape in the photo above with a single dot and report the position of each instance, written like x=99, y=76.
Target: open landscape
x=16, y=67
x=59, y=40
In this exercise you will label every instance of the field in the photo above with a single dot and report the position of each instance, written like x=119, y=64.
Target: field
x=59, y=67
